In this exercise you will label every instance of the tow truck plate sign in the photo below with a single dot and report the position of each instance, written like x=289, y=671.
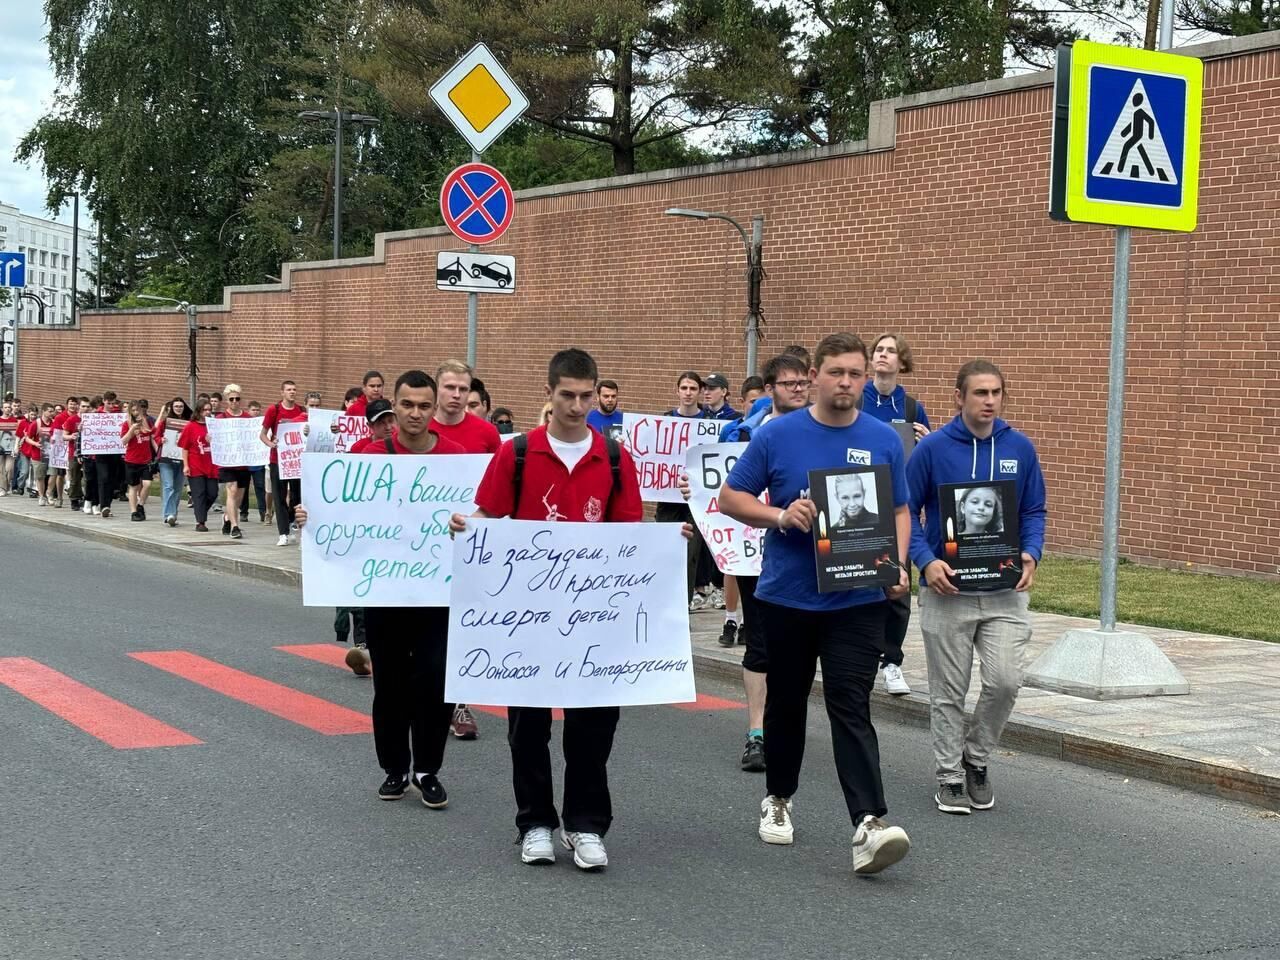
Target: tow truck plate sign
x=475, y=272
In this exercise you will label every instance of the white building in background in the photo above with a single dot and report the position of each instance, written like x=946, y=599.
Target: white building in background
x=47, y=245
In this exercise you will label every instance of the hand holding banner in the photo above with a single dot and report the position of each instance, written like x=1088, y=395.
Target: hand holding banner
x=569, y=615
x=377, y=531
x=170, y=450
x=738, y=549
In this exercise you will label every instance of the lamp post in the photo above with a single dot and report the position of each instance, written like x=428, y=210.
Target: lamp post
x=338, y=117
x=192, y=327
x=755, y=271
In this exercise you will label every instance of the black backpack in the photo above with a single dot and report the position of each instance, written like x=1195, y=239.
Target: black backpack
x=521, y=444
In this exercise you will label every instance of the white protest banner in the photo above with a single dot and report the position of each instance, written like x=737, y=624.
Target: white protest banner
x=100, y=433
x=59, y=451
x=319, y=437
x=738, y=549
x=658, y=446
x=350, y=429
x=569, y=615
x=170, y=450
x=237, y=442
x=291, y=441
x=377, y=530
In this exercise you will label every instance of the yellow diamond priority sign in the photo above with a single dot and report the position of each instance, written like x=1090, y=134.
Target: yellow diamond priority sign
x=479, y=98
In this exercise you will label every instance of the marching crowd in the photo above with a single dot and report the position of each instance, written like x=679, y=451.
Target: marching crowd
x=836, y=407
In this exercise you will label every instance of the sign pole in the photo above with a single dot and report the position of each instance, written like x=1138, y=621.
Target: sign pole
x=1115, y=429
x=473, y=302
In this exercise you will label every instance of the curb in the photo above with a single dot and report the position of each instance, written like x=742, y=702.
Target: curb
x=1048, y=738
x=262, y=572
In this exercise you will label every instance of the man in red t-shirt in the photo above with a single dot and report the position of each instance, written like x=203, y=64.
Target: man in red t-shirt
x=475, y=435
x=567, y=476
x=286, y=493
x=381, y=419
x=372, y=390
x=8, y=445
x=408, y=644
x=70, y=427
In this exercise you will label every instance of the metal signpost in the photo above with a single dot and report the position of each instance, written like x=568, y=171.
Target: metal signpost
x=481, y=100
x=1126, y=152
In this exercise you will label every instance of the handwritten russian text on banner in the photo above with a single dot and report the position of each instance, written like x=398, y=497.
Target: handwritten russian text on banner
x=291, y=442
x=569, y=615
x=377, y=531
x=59, y=451
x=172, y=430
x=738, y=549
x=319, y=436
x=100, y=433
x=237, y=442
x=658, y=445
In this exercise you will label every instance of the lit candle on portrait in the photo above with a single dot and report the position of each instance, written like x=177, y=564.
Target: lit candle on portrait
x=950, y=548
x=824, y=545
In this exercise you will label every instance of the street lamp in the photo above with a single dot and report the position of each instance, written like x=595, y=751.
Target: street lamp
x=755, y=270
x=338, y=117
x=190, y=310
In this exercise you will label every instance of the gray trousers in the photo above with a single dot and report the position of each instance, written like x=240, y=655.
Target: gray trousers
x=997, y=626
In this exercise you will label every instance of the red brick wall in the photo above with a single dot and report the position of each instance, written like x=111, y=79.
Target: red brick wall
x=944, y=237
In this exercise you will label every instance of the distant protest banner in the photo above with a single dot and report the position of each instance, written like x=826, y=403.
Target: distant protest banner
x=737, y=548
x=59, y=451
x=377, y=530
x=291, y=442
x=237, y=442
x=569, y=615
x=321, y=438
x=658, y=445
x=100, y=433
x=170, y=450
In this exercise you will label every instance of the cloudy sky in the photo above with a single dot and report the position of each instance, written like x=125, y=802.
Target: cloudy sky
x=26, y=91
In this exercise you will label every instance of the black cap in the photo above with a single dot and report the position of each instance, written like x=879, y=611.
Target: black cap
x=715, y=380
x=379, y=408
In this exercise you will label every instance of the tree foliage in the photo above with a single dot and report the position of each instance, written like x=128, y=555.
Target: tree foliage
x=1230, y=18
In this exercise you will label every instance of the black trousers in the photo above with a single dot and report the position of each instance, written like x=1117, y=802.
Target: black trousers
x=410, y=718
x=259, y=480
x=91, y=481
x=284, y=511
x=204, y=494
x=588, y=740
x=756, y=657
x=110, y=476
x=848, y=642
x=679, y=513
x=343, y=620
x=895, y=630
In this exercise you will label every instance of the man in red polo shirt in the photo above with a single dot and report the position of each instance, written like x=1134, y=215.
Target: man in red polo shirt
x=286, y=493
x=407, y=644
x=567, y=475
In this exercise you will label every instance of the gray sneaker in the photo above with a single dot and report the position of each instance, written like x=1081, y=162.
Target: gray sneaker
x=536, y=847
x=951, y=798
x=588, y=849
x=976, y=784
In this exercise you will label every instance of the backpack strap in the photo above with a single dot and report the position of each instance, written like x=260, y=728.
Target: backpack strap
x=391, y=447
x=614, y=449
x=911, y=408
x=521, y=446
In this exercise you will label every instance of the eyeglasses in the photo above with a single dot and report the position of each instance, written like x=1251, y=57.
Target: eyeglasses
x=231, y=398
x=792, y=385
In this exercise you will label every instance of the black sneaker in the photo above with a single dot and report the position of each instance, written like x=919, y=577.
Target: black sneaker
x=393, y=787
x=136, y=515
x=201, y=528
x=236, y=534
x=106, y=512
x=142, y=512
x=432, y=791
x=978, y=787
x=951, y=798
x=226, y=528
x=753, y=755
x=729, y=635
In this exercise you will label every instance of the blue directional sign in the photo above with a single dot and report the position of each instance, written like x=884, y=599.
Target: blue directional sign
x=13, y=269
x=1126, y=137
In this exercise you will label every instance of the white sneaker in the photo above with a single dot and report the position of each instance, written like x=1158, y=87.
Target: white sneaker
x=44, y=501
x=588, y=849
x=87, y=509
x=775, y=820
x=537, y=846
x=877, y=845
x=894, y=681
x=96, y=511
x=282, y=540
x=716, y=599
x=699, y=602
x=4, y=493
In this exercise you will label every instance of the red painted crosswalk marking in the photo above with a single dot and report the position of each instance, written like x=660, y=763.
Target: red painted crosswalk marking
x=330, y=653
x=114, y=723
x=707, y=702
x=281, y=701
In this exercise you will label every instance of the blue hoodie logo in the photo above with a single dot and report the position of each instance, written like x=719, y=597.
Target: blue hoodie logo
x=860, y=457
x=1008, y=466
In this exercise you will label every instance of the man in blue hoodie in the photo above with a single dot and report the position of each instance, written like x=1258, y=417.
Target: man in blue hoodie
x=976, y=445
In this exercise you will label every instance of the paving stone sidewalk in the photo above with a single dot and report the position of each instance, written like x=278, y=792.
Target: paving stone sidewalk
x=1223, y=739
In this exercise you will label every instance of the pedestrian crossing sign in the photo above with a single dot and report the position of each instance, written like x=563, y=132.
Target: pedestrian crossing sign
x=1132, y=137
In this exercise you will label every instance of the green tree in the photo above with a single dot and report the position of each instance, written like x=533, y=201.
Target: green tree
x=1230, y=18
x=626, y=74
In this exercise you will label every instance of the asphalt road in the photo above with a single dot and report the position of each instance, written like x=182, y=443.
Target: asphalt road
x=266, y=840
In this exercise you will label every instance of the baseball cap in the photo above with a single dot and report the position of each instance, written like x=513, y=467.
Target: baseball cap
x=379, y=408
x=715, y=380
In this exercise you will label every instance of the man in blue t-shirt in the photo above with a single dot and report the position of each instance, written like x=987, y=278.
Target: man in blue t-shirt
x=845, y=629
x=606, y=418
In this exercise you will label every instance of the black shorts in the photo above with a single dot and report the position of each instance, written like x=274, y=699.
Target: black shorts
x=756, y=657
x=136, y=473
x=237, y=475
